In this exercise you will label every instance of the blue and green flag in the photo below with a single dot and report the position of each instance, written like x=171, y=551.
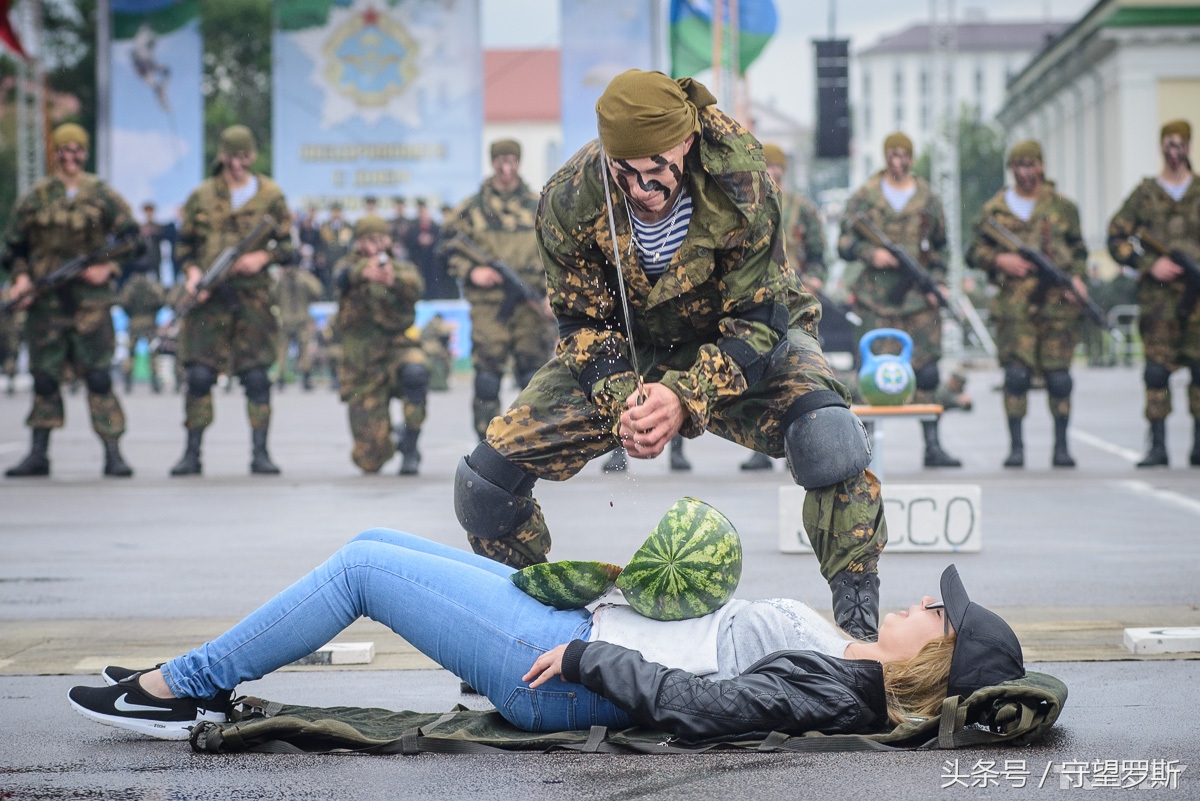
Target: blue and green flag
x=691, y=34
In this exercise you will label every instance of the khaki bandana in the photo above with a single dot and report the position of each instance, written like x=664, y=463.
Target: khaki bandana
x=897, y=140
x=643, y=114
x=370, y=224
x=774, y=155
x=1179, y=128
x=69, y=132
x=1028, y=149
x=237, y=139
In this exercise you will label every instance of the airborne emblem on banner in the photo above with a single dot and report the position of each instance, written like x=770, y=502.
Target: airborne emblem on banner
x=370, y=58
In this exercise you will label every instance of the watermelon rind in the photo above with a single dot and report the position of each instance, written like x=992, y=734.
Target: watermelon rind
x=688, y=567
x=567, y=584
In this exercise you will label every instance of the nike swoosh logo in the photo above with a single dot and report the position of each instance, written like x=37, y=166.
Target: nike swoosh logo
x=121, y=705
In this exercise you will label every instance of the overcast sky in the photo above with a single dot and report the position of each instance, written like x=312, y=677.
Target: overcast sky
x=783, y=73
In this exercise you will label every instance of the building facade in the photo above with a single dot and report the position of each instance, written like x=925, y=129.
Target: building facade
x=522, y=92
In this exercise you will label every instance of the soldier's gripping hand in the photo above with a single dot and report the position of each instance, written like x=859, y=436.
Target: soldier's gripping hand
x=252, y=262
x=485, y=276
x=194, y=274
x=882, y=259
x=379, y=270
x=97, y=274
x=1013, y=264
x=1165, y=270
x=647, y=428
x=22, y=286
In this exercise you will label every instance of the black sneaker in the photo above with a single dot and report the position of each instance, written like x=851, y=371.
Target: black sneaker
x=113, y=674
x=126, y=706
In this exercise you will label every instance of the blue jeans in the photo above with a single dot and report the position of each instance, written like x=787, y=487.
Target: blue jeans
x=457, y=608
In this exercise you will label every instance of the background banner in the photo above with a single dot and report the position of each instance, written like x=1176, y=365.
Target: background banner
x=377, y=97
x=157, y=109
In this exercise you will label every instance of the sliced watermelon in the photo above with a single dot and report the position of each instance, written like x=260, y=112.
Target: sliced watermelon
x=566, y=584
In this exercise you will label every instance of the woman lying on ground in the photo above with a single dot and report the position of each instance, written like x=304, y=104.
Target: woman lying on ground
x=748, y=669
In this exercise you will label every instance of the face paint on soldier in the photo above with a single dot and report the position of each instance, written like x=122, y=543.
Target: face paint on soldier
x=236, y=167
x=652, y=184
x=1175, y=152
x=70, y=158
x=1028, y=175
x=507, y=172
x=899, y=165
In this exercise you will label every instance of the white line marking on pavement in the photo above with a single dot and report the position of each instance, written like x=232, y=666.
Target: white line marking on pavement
x=1133, y=457
x=1182, y=501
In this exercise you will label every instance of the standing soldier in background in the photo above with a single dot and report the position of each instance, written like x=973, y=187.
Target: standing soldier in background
x=10, y=342
x=234, y=328
x=1167, y=208
x=500, y=219
x=141, y=297
x=295, y=289
x=380, y=360
x=905, y=208
x=435, y=341
x=1037, y=325
x=68, y=214
x=336, y=235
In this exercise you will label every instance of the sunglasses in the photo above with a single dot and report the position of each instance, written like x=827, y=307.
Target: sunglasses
x=945, y=617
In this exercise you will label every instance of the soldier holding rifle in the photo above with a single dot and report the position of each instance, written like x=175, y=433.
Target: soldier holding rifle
x=1157, y=232
x=69, y=327
x=886, y=296
x=1037, y=310
x=232, y=327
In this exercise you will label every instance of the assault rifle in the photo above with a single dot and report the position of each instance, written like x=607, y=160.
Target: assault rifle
x=219, y=270
x=1191, y=272
x=71, y=270
x=1048, y=273
x=516, y=289
x=908, y=265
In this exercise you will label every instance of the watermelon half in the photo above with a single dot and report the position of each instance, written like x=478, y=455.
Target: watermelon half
x=566, y=584
x=689, y=567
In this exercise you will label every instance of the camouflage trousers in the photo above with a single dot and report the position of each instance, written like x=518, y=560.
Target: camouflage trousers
x=234, y=338
x=552, y=430
x=1041, y=343
x=368, y=394
x=11, y=326
x=62, y=346
x=526, y=337
x=1169, y=340
x=299, y=332
x=139, y=328
x=198, y=413
x=925, y=328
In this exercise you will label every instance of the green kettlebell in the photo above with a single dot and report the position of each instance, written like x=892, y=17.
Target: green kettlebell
x=886, y=379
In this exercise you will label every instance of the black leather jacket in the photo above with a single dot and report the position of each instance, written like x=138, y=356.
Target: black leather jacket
x=788, y=691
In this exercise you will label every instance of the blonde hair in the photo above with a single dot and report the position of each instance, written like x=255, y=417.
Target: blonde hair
x=917, y=686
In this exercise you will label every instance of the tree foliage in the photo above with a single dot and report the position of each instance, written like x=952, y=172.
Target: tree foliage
x=980, y=164
x=237, y=72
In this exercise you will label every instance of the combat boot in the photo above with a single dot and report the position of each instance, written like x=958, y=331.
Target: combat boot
x=306, y=382
x=129, y=383
x=1061, y=457
x=1194, y=459
x=114, y=463
x=410, y=457
x=155, y=382
x=679, y=462
x=934, y=455
x=37, y=461
x=758, y=461
x=618, y=462
x=1157, y=455
x=189, y=464
x=1016, y=452
x=260, y=461
x=856, y=604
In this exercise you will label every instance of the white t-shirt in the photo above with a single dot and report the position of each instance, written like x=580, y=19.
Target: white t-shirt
x=1176, y=191
x=240, y=197
x=1020, y=206
x=897, y=198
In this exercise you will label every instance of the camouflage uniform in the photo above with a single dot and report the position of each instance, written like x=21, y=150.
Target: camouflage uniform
x=435, y=341
x=141, y=298
x=69, y=332
x=1037, y=326
x=887, y=298
x=1170, y=331
x=729, y=270
x=295, y=289
x=804, y=236
x=503, y=226
x=10, y=343
x=380, y=359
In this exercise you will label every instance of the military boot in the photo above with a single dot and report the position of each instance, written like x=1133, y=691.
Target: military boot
x=618, y=462
x=129, y=382
x=1016, y=452
x=934, y=455
x=37, y=461
x=155, y=382
x=306, y=382
x=260, y=460
x=1157, y=455
x=410, y=457
x=189, y=463
x=679, y=462
x=758, y=461
x=856, y=604
x=114, y=463
x=1061, y=457
x=1194, y=459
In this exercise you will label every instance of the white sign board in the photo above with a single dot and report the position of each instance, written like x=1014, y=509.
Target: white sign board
x=1176, y=640
x=921, y=518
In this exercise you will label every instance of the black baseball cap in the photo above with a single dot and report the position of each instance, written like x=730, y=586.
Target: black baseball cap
x=986, y=651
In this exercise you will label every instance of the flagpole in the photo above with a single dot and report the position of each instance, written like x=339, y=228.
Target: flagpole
x=718, y=47
x=104, y=89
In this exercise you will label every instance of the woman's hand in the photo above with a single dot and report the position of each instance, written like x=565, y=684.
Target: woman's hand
x=546, y=667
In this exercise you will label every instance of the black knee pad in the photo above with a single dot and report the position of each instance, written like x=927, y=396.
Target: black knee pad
x=824, y=441
x=99, y=382
x=1156, y=376
x=928, y=377
x=487, y=386
x=1059, y=384
x=523, y=377
x=200, y=380
x=414, y=382
x=1196, y=375
x=44, y=385
x=1016, y=379
x=492, y=496
x=256, y=385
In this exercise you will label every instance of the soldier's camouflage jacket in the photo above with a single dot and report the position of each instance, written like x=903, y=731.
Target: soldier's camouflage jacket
x=373, y=320
x=804, y=234
x=502, y=224
x=919, y=228
x=210, y=225
x=142, y=296
x=1053, y=230
x=722, y=285
x=47, y=229
x=1174, y=225
x=295, y=289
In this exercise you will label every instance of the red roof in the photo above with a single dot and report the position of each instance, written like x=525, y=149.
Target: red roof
x=521, y=86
